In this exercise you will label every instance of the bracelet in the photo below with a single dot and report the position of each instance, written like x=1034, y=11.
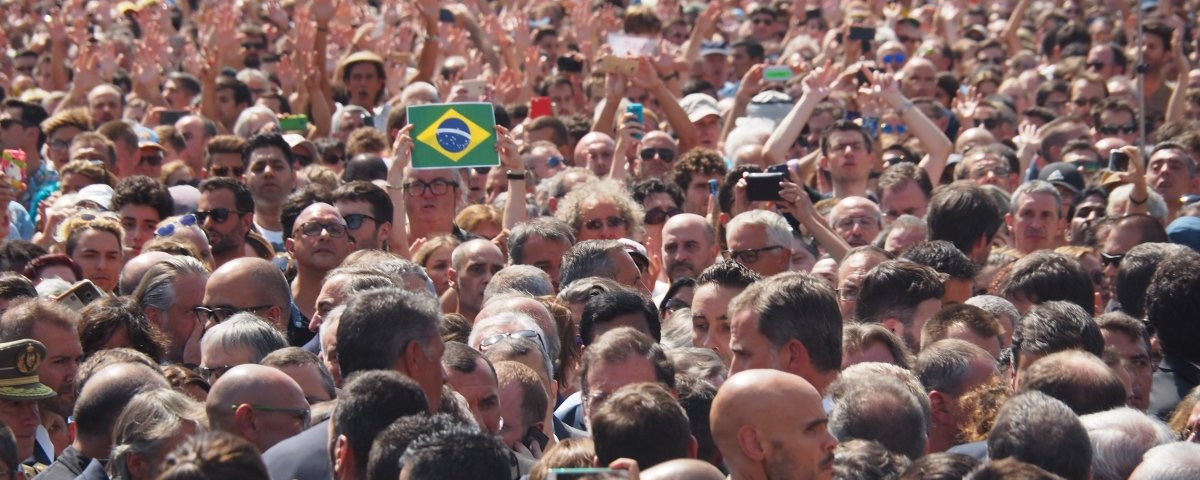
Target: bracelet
x=515, y=175
x=433, y=38
x=395, y=187
x=322, y=29
x=1136, y=202
x=908, y=105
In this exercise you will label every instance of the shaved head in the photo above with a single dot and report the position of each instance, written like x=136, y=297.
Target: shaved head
x=257, y=387
x=683, y=469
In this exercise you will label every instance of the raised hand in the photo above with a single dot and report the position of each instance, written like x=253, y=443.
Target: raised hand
x=401, y=154
x=819, y=82
x=506, y=147
x=323, y=10
x=752, y=81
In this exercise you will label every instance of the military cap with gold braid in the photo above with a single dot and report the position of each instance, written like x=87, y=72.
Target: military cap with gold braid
x=19, y=362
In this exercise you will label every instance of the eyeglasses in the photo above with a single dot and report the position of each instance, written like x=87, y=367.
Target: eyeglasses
x=1111, y=259
x=170, y=228
x=554, y=162
x=302, y=159
x=991, y=60
x=59, y=145
x=1086, y=102
x=151, y=160
x=763, y=21
x=1188, y=434
x=849, y=222
x=314, y=229
x=438, y=187
x=1189, y=199
x=896, y=58
x=211, y=373
x=987, y=123
x=908, y=39
x=1109, y=129
x=220, y=171
x=254, y=46
x=849, y=293
x=667, y=155
x=7, y=123
x=657, y=215
x=332, y=159
x=354, y=220
x=499, y=337
x=599, y=223
x=998, y=170
x=304, y=415
x=749, y=255
x=219, y=215
x=1096, y=65
x=220, y=314
x=896, y=128
x=1087, y=166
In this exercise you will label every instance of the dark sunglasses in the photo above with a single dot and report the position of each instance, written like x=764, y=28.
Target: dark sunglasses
x=151, y=160
x=667, y=155
x=499, y=337
x=987, y=123
x=219, y=215
x=220, y=171
x=170, y=228
x=1111, y=259
x=657, y=215
x=1096, y=65
x=599, y=223
x=313, y=229
x=354, y=221
x=1110, y=129
x=254, y=46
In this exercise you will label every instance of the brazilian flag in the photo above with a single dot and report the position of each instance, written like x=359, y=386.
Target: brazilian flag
x=453, y=135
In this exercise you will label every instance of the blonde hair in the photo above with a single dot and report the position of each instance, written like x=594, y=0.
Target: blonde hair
x=432, y=245
x=172, y=167
x=476, y=215
x=91, y=170
x=321, y=175
x=570, y=209
x=75, y=226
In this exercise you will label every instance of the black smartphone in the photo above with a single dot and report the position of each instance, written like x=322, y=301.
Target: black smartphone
x=532, y=434
x=445, y=16
x=862, y=33
x=169, y=117
x=763, y=187
x=568, y=64
x=1118, y=161
x=812, y=14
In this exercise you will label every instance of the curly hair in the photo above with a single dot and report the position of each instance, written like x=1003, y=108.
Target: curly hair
x=571, y=209
x=75, y=226
x=91, y=170
x=981, y=406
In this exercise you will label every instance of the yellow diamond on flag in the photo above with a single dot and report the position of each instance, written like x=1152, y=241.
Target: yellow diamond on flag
x=453, y=135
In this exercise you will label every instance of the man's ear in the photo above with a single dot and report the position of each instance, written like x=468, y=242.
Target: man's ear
x=748, y=441
x=552, y=205
x=413, y=358
x=343, y=457
x=693, y=447
x=894, y=325
x=823, y=162
x=1008, y=220
x=247, y=221
x=797, y=356
x=452, y=276
x=938, y=407
x=243, y=419
x=289, y=245
x=385, y=233
x=154, y=315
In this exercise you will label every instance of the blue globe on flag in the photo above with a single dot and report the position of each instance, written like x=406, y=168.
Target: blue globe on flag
x=453, y=135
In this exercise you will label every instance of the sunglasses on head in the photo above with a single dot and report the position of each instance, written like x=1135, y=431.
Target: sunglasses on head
x=170, y=228
x=219, y=215
x=666, y=154
x=657, y=215
x=599, y=223
x=220, y=171
x=1110, y=129
x=354, y=221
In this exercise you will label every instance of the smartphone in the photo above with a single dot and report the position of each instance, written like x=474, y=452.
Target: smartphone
x=445, y=16
x=568, y=64
x=777, y=73
x=533, y=435
x=763, y=187
x=862, y=33
x=586, y=473
x=540, y=107
x=80, y=294
x=169, y=117
x=713, y=187
x=614, y=64
x=636, y=110
x=780, y=168
x=1118, y=161
x=294, y=123
x=812, y=14
x=475, y=89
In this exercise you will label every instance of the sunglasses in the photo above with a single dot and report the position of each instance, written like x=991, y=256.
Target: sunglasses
x=220, y=171
x=1110, y=129
x=151, y=160
x=763, y=21
x=1085, y=102
x=987, y=123
x=313, y=229
x=332, y=159
x=896, y=58
x=499, y=337
x=254, y=46
x=908, y=39
x=354, y=221
x=1111, y=259
x=896, y=128
x=6, y=123
x=219, y=215
x=599, y=223
x=657, y=215
x=220, y=314
x=304, y=415
x=554, y=161
x=170, y=228
x=667, y=155
x=1087, y=166
x=750, y=255
x=1096, y=65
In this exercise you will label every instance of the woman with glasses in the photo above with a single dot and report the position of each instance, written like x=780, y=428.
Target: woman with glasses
x=601, y=210
x=93, y=240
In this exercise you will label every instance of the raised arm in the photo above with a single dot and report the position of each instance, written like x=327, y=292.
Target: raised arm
x=937, y=146
x=1178, y=103
x=401, y=157
x=797, y=203
x=817, y=87
x=685, y=131
x=750, y=85
x=514, y=209
x=1011, y=40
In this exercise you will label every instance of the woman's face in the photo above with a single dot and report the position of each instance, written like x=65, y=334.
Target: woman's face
x=601, y=220
x=436, y=267
x=72, y=182
x=98, y=253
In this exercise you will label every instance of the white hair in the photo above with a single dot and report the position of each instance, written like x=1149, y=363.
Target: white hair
x=853, y=202
x=504, y=323
x=241, y=128
x=779, y=233
x=1119, y=439
x=1118, y=203
x=1172, y=461
x=997, y=306
x=749, y=131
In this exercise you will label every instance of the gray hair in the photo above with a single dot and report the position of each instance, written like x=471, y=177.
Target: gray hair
x=590, y=259
x=1031, y=187
x=1155, y=205
x=157, y=288
x=241, y=128
x=677, y=329
x=549, y=228
x=246, y=330
x=336, y=125
x=1172, y=461
x=861, y=373
x=570, y=209
x=512, y=347
x=1053, y=327
x=518, y=279
x=906, y=222
x=702, y=363
x=883, y=410
x=504, y=323
x=748, y=131
x=1119, y=439
x=585, y=288
x=945, y=364
x=149, y=420
x=401, y=268
x=778, y=231
x=997, y=306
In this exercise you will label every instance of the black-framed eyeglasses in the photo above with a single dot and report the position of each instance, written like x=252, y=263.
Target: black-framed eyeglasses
x=417, y=188
x=991, y=60
x=170, y=228
x=254, y=46
x=499, y=337
x=987, y=123
x=750, y=255
x=1096, y=65
x=219, y=215
x=223, y=171
x=1085, y=102
x=313, y=229
x=600, y=223
x=998, y=170
x=304, y=415
x=153, y=160
x=1111, y=259
x=221, y=313
x=1109, y=129
x=667, y=155
x=658, y=215
x=354, y=221
x=210, y=373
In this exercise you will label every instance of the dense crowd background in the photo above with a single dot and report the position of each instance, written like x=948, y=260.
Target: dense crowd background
x=756, y=240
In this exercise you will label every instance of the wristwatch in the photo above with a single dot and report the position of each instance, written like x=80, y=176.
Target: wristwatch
x=515, y=175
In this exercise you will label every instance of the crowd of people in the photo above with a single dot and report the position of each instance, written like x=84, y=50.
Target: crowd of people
x=738, y=239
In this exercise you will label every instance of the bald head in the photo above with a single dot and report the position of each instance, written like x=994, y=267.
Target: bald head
x=857, y=220
x=104, y=396
x=135, y=269
x=316, y=211
x=251, y=390
x=974, y=136
x=248, y=282
x=688, y=246
x=683, y=469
